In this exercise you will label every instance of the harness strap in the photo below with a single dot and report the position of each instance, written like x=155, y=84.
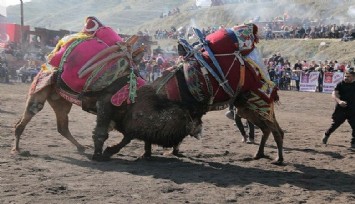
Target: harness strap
x=167, y=78
x=202, y=62
x=208, y=84
x=224, y=83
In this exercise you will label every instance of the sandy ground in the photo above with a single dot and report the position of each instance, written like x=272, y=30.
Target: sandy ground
x=216, y=169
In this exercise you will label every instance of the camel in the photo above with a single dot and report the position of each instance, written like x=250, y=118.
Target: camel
x=172, y=107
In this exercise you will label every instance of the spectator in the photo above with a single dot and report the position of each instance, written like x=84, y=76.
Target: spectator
x=344, y=97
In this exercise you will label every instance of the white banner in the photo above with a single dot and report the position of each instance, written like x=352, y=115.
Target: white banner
x=309, y=81
x=330, y=80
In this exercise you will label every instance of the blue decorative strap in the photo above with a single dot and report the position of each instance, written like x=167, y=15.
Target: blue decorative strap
x=224, y=83
x=197, y=54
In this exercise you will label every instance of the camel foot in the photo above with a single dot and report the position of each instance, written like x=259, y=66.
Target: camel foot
x=146, y=156
x=109, y=151
x=278, y=162
x=259, y=156
x=81, y=149
x=100, y=158
x=15, y=150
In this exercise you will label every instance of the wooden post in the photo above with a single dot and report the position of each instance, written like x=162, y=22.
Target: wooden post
x=22, y=24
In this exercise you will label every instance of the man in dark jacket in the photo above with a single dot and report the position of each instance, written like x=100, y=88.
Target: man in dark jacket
x=344, y=96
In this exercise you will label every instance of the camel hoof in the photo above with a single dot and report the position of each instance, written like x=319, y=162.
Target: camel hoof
x=100, y=158
x=108, y=152
x=278, y=162
x=259, y=156
x=144, y=158
x=15, y=150
x=81, y=149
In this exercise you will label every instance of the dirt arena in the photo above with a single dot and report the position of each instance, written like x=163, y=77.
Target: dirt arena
x=216, y=169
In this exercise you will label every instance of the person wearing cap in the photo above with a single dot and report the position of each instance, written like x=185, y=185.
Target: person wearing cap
x=344, y=97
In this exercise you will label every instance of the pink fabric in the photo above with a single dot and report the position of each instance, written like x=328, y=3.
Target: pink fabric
x=55, y=60
x=76, y=59
x=82, y=53
x=122, y=95
x=109, y=36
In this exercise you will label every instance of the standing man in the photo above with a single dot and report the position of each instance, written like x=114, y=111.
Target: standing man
x=344, y=96
x=232, y=114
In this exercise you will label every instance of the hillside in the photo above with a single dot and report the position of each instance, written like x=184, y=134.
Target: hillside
x=306, y=49
x=130, y=16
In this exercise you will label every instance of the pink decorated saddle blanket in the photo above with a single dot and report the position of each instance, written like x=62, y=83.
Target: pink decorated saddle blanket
x=79, y=49
x=47, y=78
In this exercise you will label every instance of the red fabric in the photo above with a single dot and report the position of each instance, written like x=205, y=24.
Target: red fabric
x=122, y=95
x=221, y=43
x=171, y=88
x=92, y=24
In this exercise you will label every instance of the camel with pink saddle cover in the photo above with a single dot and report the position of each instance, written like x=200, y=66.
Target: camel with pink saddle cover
x=89, y=61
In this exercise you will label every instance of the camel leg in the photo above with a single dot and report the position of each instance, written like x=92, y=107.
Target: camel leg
x=266, y=127
x=62, y=108
x=109, y=151
x=259, y=122
x=260, y=153
x=175, y=151
x=278, y=137
x=34, y=104
x=100, y=133
x=147, y=150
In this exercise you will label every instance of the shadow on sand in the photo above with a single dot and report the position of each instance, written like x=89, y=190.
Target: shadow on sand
x=191, y=170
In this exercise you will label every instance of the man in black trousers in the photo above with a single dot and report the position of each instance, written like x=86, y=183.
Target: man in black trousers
x=232, y=114
x=344, y=96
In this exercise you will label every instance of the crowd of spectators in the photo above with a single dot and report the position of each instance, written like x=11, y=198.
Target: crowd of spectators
x=282, y=72
x=274, y=30
x=152, y=66
x=285, y=26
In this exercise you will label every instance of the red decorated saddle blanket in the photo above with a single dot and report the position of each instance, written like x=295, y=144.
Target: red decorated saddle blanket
x=223, y=45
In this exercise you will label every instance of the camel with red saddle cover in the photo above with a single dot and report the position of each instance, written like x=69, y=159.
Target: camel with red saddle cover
x=211, y=73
